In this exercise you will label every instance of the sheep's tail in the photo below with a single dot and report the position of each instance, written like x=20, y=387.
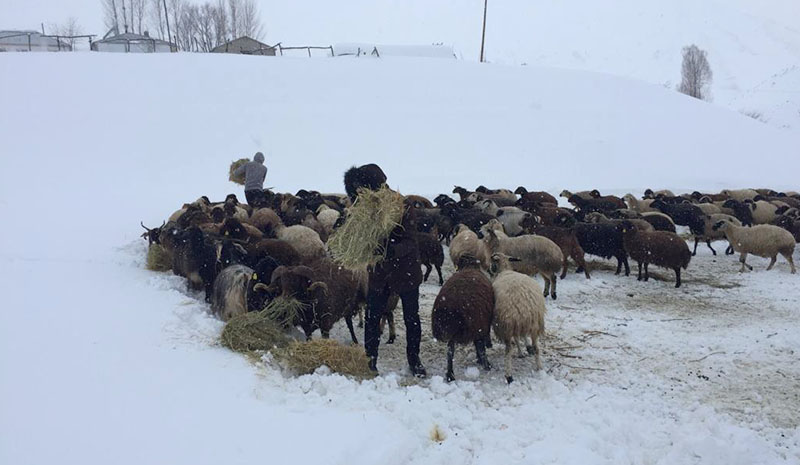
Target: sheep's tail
x=686, y=258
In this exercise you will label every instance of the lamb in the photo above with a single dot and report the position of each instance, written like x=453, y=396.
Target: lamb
x=566, y=240
x=328, y=217
x=740, y=194
x=537, y=254
x=304, y=239
x=430, y=254
x=664, y=249
x=519, y=309
x=462, y=312
x=764, y=240
x=466, y=242
x=709, y=234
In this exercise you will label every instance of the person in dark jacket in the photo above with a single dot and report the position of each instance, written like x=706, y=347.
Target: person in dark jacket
x=401, y=273
x=254, y=173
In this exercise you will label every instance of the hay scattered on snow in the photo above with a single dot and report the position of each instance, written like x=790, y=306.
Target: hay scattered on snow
x=158, y=259
x=234, y=166
x=305, y=357
x=253, y=331
x=360, y=240
x=285, y=311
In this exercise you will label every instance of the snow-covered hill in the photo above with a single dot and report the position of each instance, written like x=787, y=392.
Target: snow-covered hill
x=104, y=362
x=748, y=42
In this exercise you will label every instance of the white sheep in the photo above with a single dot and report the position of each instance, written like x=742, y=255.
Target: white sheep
x=764, y=240
x=512, y=218
x=519, y=309
x=307, y=242
x=710, y=234
x=582, y=194
x=763, y=212
x=638, y=205
x=328, y=217
x=467, y=242
x=229, y=295
x=740, y=194
x=708, y=208
x=537, y=254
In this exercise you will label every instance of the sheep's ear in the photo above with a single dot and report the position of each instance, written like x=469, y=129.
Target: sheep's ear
x=499, y=213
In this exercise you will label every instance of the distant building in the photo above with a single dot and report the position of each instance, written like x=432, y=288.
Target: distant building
x=30, y=41
x=378, y=50
x=132, y=43
x=247, y=46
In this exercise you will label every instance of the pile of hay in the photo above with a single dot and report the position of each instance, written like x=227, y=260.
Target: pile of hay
x=305, y=357
x=234, y=166
x=253, y=331
x=158, y=259
x=360, y=240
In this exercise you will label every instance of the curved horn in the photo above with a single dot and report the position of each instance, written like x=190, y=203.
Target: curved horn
x=261, y=287
x=145, y=227
x=318, y=285
x=277, y=274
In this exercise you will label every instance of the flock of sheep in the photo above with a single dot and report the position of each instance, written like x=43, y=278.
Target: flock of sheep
x=244, y=256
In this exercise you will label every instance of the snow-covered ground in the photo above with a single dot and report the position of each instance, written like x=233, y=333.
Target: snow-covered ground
x=102, y=361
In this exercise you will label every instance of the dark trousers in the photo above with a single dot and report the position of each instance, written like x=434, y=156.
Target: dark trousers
x=254, y=197
x=376, y=306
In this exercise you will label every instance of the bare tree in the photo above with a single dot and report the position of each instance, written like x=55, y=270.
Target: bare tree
x=68, y=28
x=111, y=13
x=233, y=10
x=695, y=73
x=155, y=17
x=138, y=10
x=250, y=20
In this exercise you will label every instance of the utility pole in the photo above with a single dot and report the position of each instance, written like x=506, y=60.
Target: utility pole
x=483, y=35
x=166, y=15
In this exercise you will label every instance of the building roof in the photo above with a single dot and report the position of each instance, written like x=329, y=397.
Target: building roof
x=224, y=47
x=131, y=37
x=20, y=38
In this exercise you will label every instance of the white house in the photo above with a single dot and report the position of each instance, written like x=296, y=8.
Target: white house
x=30, y=41
x=132, y=43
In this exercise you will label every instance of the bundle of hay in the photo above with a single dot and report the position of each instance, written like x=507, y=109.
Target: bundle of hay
x=158, y=259
x=247, y=332
x=360, y=241
x=234, y=166
x=285, y=311
x=305, y=357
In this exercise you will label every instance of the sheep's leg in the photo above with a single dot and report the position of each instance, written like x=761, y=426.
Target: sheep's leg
x=696, y=241
x=743, y=259
x=619, y=265
x=439, y=272
x=480, y=350
x=772, y=262
x=349, y=320
x=360, y=317
x=678, y=277
x=581, y=264
x=546, y=284
x=554, y=282
x=708, y=243
x=390, y=319
x=537, y=351
x=509, y=379
x=627, y=267
x=519, y=348
x=788, y=257
x=639, y=278
x=564, y=265
x=646, y=271
x=428, y=269
x=451, y=351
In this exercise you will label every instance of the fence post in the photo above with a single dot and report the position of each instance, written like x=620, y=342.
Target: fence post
x=29, y=42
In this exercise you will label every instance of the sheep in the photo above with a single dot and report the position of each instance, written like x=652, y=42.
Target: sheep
x=229, y=295
x=708, y=208
x=539, y=196
x=537, y=254
x=699, y=196
x=709, y=234
x=740, y=194
x=608, y=198
x=471, y=218
x=503, y=200
x=329, y=291
x=597, y=217
x=640, y=206
x=603, y=240
x=304, y=239
x=790, y=223
x=684, y=214
x=265, y=219
x=430, y=253
x=519, y=309
x=593, y=205
x=462, y=193
x=195, y=258
x=763, y=211
x=548, y=214
x=369, y=176
x=664, y=249
x=513, y=219
x=764, y=240
x=582, y=194
x=466, y=242
x=442, y=200
x=659, y=221
x=462, y=312
x=328, y=217
x=741, y=210
x=566, y=240
x=650, y=194
x=235, y=229
x=417, y=201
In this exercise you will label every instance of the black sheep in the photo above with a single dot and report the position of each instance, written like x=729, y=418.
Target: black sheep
x=369, y=176
x=684, y=214
x=603, y=240
x=741, y=210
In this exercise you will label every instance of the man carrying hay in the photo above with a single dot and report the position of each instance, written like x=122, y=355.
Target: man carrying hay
x=254, y=173
x=399, y=271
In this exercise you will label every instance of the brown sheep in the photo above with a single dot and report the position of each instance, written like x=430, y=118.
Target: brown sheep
x=566, y=240
x=661, y=248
